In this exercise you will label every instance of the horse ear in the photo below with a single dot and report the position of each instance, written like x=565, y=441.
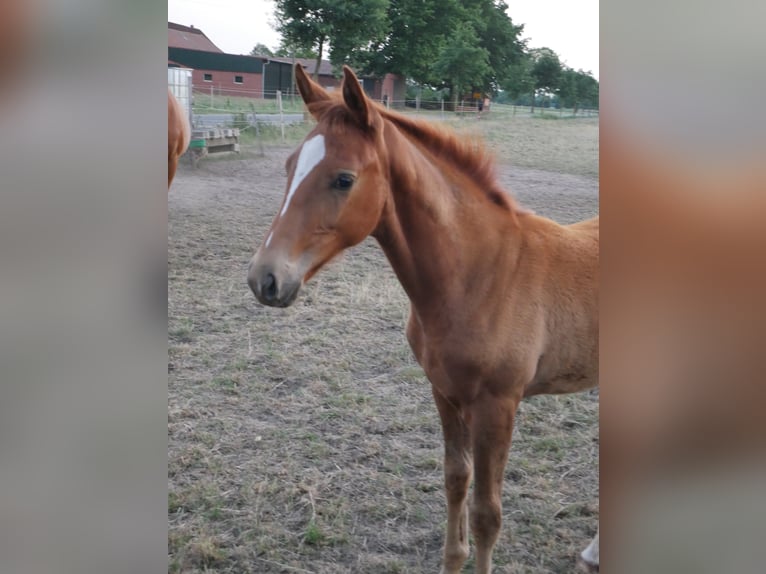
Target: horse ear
x=356, y=99
x=309, y=90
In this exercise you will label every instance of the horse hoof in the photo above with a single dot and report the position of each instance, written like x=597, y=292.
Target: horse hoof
x=589, y=557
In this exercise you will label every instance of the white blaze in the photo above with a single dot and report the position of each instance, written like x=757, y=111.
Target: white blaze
x=312, y=153
x=268, y=240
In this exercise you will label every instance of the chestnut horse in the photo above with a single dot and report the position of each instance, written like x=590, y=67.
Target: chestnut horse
x=179, y=134
x=504, y=304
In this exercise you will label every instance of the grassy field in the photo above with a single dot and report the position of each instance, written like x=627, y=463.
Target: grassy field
x=206, y=103
x=306, y=439
x=566, y=145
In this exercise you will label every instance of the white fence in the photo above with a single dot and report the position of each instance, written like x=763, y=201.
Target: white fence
x=248, y=109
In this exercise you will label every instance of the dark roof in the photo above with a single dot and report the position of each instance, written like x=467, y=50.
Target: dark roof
x=325, y=68
x=201, y=60
x=188, y=46
x=190, y=37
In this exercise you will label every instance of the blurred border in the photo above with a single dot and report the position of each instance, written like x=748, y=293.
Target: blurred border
x=83, y=292
x=683, y=142
x=82, y=247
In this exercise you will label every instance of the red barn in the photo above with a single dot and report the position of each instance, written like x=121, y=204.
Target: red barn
x=256, y=76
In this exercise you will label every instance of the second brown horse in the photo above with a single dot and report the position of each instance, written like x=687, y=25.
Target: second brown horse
x=179, y=135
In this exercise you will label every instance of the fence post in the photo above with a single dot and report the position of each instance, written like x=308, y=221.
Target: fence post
x=257, y=131
x=442, y=100
x=281, y=113
x=211, y=96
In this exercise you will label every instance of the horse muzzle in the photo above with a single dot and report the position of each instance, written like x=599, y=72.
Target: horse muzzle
x=273, y=288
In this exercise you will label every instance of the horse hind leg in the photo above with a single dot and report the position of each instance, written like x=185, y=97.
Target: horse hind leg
x=491, y=429
x=172, y=166
x=589, y=556
x=457, y=477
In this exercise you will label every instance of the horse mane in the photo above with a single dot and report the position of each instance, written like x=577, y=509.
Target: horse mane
x=468, y=154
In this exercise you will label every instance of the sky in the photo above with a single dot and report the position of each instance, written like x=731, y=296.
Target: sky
x=568, y=28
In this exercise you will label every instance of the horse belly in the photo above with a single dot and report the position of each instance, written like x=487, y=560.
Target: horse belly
x=553, y=379
x=569, y=383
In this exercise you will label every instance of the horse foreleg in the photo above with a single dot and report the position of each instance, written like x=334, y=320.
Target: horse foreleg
x=457, y=477
x=491, y=430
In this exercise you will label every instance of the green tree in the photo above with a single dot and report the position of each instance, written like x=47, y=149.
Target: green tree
x=587, y=89
x=577, y=88
x=463, y=63
x=360, y=23
x=285, y=51
x=261, y=50
x=518, y=80
x=499, y=36
x=417, y=33
x=421, y=30
x=546, y=71
x=567, y=90
x=345, y=27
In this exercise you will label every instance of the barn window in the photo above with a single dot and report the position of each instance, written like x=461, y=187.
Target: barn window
x=208, y=77
x=237, y=79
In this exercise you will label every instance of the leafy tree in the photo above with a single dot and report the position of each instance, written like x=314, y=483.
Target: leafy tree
x=519, y=80
x=421, y=30
x=360, y=24
x=261, y=50
x=567, y=89
x=285, y=51
x=345, y=26
x=417, y=33
x=425, y=93
x=587, y=89
x=463, y=62
x=499, y=36
x=577, y=88
x=546, y=71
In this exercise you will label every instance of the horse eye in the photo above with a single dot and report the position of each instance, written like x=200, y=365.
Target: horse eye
x=343, y=182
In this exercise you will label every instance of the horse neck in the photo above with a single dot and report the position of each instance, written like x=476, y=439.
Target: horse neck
x=438, y=235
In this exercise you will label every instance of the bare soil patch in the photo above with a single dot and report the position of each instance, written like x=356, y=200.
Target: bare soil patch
x=306, y=439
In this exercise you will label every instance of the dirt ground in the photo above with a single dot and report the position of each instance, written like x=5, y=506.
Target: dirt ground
x=306, y=439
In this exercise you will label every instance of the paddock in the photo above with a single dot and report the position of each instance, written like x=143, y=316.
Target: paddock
x=306, y=439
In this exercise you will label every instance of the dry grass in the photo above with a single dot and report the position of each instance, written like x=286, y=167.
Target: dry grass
x=564, y=145
x=306, y=439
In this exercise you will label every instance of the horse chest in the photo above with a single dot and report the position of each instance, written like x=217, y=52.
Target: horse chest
x=460, y=367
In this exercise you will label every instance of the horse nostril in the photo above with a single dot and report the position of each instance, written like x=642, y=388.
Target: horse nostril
x=252, y=283
x=269, y=290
